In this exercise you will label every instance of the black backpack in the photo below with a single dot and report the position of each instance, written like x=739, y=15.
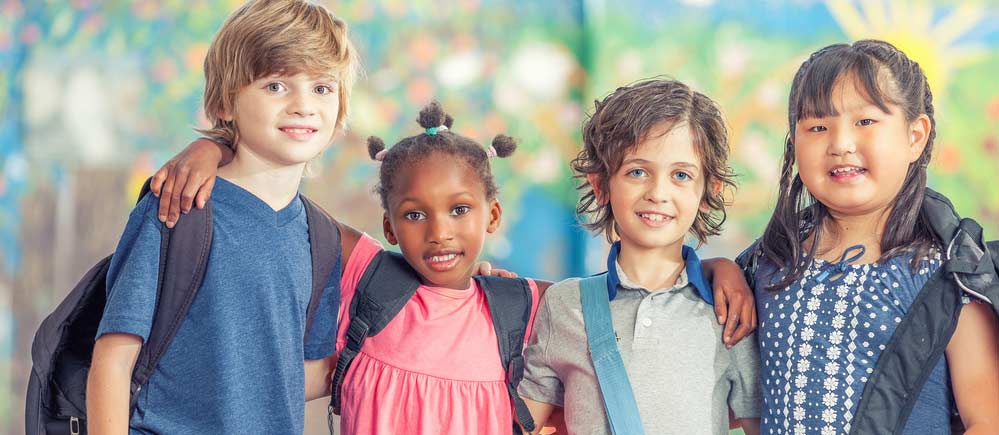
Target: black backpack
x=389, y=283
x=970, y=270
x=64, y=343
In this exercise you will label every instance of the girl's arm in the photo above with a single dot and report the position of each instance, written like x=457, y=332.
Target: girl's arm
x=751, y=426
x=539, y=412
x=734, y=303
x=973, y=356
x=109, y=383
x=188, y=178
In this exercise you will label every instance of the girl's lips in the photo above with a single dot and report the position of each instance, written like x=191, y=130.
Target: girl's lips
x=847, y=174
x=443, y=262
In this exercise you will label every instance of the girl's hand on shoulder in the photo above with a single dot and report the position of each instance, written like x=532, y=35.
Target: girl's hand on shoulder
x=188, y=179
x=734, y=302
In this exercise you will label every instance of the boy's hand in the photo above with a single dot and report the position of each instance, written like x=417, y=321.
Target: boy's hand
x=734, y=303
x=486, y=269
x=188, y=179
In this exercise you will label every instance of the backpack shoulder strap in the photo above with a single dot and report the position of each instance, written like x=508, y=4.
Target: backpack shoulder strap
x=749, y=261
x=510, y=301
x=324, y=242
x=184, y=253
x=619, y=398
x=387, y=284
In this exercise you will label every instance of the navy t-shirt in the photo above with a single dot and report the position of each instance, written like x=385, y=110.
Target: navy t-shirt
x=236, y=363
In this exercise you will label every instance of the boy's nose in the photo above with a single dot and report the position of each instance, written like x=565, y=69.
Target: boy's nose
x=301, y=106
x=658, y=192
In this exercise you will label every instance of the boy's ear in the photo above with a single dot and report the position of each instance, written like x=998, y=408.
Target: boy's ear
x=594, y=181
x=919, y=133
x=387, y=228
x=495, y=216
x=714, y=190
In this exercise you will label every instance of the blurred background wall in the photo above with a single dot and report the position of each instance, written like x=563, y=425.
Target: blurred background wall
x=98, y=94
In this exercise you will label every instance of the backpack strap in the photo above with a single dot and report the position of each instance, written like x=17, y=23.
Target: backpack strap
x=324, y=242
x=510, y=301
x=387, y=284
x=619, y=398
x=184, y=253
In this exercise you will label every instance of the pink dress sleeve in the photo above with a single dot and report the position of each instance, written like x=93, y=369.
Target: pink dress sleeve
x=535, y=300
x=364, y=251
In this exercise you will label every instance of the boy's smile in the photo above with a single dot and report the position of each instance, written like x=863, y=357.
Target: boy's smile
x=439, y=216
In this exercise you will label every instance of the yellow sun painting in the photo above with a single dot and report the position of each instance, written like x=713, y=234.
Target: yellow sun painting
x=927, y=34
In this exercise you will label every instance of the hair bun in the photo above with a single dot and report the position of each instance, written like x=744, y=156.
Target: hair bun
x=433, y=115
x=504, y=145
x=375, y=145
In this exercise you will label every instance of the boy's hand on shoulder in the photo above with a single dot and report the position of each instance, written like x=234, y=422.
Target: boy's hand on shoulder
x=734, y=302
x=486, y=269
x=188, y=179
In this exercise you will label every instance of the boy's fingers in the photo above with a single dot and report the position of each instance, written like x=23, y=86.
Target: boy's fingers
x=173, y=215
x=194, y=183
x=485, y=269
x=205, y=192
x=165, y=196
x=730, y=327
x=721, y=306
x=159, y=178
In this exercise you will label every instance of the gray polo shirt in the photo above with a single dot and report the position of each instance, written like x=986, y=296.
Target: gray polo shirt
x=683, y=377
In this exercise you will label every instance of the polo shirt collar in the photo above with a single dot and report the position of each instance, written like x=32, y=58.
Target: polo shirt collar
x=692, y=268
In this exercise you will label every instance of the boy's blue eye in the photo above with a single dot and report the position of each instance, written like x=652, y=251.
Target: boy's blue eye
x=413, y=216
x=275, y=87
x=323, y=90
x=682, y=176
x=460, y=210
x=636, y=172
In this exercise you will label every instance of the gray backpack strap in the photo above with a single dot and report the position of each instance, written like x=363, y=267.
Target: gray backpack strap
x=510, y=301
x=387, y=284
x=184, y=253
x=324, y=242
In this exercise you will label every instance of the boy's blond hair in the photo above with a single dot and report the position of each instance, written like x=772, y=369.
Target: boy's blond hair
x=265, y=37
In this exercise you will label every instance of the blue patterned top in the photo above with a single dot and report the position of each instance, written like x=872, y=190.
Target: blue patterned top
x=821, y=337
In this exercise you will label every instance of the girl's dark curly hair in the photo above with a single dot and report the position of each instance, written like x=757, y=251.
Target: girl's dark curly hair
x=435, y=141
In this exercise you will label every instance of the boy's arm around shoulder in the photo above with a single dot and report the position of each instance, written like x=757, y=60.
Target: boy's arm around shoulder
x=109, y=383
x=319, y=372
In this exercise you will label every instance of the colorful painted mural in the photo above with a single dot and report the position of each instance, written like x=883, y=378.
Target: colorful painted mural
x=97, y=94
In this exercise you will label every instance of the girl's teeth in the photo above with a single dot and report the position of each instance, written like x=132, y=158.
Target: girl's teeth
x=442, y=258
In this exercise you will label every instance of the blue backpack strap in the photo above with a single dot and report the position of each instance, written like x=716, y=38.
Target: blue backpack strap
x=619, y=398
x=324, y=242
x=509, y=301
x=184, y=253
x=387, y=284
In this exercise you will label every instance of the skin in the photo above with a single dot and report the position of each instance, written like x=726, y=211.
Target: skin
x=656, y=194
x=884, y=144
x=269, y=162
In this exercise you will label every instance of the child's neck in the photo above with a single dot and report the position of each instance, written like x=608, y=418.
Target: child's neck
x=843, y=231
x=276, y=185
x=652, y=269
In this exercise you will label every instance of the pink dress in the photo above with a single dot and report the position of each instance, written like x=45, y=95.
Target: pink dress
x=434, y=369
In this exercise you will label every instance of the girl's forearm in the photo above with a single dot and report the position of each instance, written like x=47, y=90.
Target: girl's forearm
x=109, y=384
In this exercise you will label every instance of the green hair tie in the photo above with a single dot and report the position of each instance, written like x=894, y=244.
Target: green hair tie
x=432, y=131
